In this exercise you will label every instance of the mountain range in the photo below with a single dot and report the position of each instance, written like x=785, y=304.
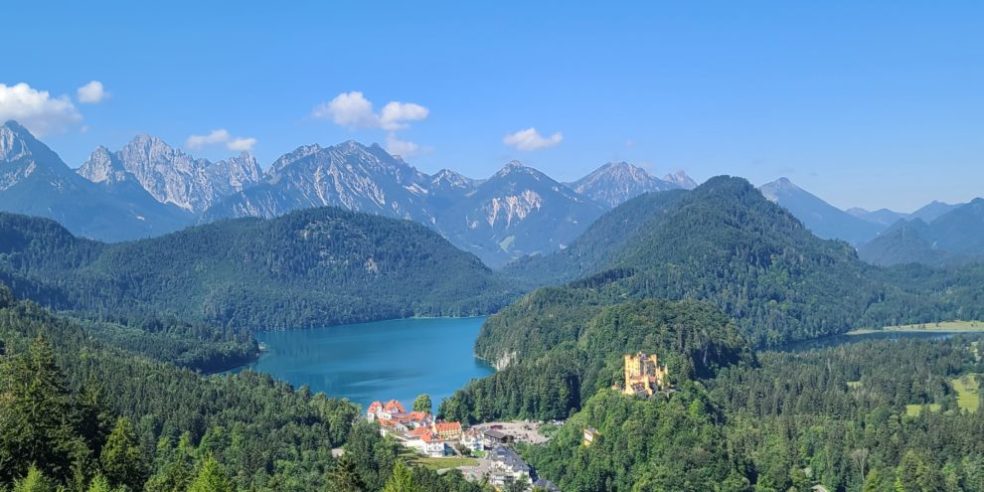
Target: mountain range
x=935, y=234
x=954, y=237
x=149, y=188
x=35, y=181
x=725, y=243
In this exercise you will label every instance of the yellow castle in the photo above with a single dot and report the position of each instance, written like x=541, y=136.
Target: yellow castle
x=644, y=376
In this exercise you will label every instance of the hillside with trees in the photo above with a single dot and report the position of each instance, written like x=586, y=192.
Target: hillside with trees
x=88, y=415
x=725, y=243
x=315, y=267
x=837, y=417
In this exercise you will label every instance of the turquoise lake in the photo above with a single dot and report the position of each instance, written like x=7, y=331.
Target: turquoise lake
x=384, y=360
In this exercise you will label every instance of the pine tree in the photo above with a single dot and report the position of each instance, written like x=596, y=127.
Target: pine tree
x=34, y=481
x=100, y=484
x=401, y=480
x=343, y=477
x=211, y=478
x=122, y=461
x=35, y=417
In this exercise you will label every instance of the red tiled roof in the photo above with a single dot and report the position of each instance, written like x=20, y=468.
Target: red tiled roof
x=420, y=432
x=394, y=406
x=447, y=427
x=375, y=407
x=417, y=416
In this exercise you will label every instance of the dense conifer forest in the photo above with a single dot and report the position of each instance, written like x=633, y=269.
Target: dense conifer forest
x=81, y=413
x=315, y=267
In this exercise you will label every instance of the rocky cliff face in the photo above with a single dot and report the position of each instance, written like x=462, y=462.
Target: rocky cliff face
x=169, y=175
x=35, y=181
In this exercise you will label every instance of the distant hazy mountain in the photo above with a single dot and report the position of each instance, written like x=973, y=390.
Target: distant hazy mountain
x=956, y=236
x=516, y=212
x=881, y=216
x=681, y=179
x=170, y=175
x=35, y=181
x=934, y=210
x=818, y=216
x=616, y=182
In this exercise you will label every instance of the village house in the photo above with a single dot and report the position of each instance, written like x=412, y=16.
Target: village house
x=471, y=440
x=426, y=442
x=449, y=431
x=644, y=376
x=387, y=411
x=417, y=430
x=507, y=467
x=492, y=438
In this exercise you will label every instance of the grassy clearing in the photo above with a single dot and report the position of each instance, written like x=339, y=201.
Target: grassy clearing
x=444, y=463
x=916, y=410
x=968, y=392
x=942, y=327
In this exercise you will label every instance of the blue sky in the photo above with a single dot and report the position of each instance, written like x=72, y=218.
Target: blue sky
x=864, y=103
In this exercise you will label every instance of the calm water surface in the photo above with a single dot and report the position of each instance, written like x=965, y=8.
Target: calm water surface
x=835, y=340
x=383, y=360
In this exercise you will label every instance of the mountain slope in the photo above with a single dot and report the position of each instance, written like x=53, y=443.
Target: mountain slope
x=169, y=175
x=616, y=182
x=933, y=210
x=725, y=243
x=516, y=212
x=348, y=175
x=309, y=268
x=818, y=216
x=681, y=179
x=35, y=181
x=882, y=216
x=955, y=237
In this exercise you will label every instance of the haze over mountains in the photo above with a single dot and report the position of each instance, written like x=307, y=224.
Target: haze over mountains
x=936, y=234
x=149, y=188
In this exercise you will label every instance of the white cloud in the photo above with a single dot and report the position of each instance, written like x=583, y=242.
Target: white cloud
x=220, y=136
x=92, y=93
x=402, y=148
x=395, y=115
x=241, y=144
x=530, y=139
x=37, y=110
x=349, y=109
x=215, y=137
x=353, y=110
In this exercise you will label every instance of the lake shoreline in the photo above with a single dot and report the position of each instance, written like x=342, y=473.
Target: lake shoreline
x=943, y=327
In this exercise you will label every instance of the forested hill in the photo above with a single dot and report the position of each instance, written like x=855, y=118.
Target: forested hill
x=576, y=347
x=725, y=243
x=81, y=413
x=309, y=268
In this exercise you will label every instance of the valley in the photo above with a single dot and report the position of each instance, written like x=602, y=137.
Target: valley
x=722, y=283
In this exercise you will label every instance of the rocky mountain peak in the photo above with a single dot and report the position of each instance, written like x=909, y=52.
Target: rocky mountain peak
x=446, y=178
x=14, y=141
x=681, y=179
x=18, y=143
